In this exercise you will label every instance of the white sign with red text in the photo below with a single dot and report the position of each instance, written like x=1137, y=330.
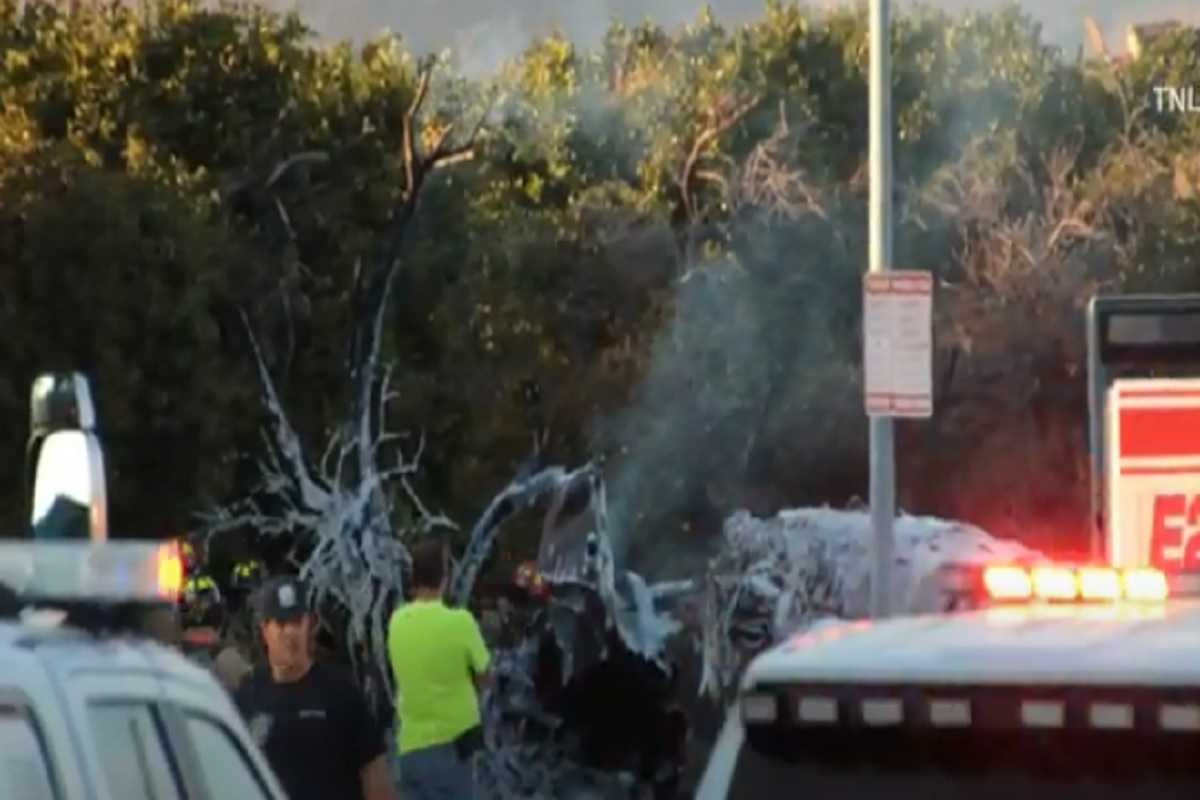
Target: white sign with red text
x=1153, y=480
x=898, y=343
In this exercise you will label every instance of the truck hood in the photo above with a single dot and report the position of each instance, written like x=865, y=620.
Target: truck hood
x=1077, y=644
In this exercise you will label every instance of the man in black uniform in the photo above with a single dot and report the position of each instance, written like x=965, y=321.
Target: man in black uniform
x=308, y=717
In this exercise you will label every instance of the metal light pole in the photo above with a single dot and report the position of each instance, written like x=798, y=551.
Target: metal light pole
x=883, y=468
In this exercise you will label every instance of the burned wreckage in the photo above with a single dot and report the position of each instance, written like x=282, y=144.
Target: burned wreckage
x=582, y=704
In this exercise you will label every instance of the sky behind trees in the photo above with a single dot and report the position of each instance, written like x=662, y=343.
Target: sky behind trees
x=487, y=31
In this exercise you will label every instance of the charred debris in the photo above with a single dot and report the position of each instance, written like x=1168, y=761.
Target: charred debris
x=584, y=697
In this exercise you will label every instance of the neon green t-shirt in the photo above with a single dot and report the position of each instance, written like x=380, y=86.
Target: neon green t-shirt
x=435, y=652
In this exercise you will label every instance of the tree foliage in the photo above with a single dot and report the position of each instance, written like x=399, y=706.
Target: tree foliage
x=654, y=256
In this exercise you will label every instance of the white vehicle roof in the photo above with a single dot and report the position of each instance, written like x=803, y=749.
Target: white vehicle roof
x=65, y=650
x=1106, y=644
x=53, y=671
x=78, y=648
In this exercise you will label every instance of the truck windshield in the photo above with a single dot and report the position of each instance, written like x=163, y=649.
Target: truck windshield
x=962, y=764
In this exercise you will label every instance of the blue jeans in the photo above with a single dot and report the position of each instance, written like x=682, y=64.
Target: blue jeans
x=435, y=773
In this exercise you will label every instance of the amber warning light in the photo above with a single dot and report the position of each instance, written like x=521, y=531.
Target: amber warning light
x=1011, y=583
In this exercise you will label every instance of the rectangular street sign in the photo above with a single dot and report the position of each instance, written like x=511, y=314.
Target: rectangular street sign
x=898, y=343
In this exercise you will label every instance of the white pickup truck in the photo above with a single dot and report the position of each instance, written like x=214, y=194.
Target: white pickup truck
x=1074, y=684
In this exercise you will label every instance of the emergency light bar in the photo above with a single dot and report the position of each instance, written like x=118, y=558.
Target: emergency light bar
x=845, y=706
x=992, y=584
x=1066, y=584
x=100, y=573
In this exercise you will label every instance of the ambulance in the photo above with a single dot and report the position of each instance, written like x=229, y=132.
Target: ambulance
x=1044, y=679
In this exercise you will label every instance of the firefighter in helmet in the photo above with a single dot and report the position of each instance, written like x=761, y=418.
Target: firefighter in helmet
x=201, y=606
x=201, y=599
x=247, y=574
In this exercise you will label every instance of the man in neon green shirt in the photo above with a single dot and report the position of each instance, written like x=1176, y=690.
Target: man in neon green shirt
x=438, y=660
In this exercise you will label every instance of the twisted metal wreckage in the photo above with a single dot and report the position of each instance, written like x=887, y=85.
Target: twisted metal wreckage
x=583, y=696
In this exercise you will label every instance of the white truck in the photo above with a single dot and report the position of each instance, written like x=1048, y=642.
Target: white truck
x=93, y=704
x=90, y=708
x=1055, y=680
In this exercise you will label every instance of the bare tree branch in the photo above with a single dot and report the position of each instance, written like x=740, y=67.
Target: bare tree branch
x=770, y=183
x=408, y=140
x=728, y=114
x=283, y=167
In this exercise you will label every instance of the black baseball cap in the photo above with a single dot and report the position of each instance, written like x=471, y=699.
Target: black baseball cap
x=284, y=598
